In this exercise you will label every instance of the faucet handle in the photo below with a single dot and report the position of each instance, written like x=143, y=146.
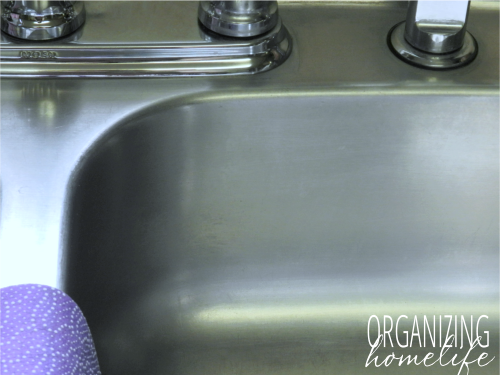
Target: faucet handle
x=434, y=35
x=41, y=20
x=240, y=19
x=436, y=26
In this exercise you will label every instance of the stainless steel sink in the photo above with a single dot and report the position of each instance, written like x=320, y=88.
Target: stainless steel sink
x=256, y=235
x=254, y=224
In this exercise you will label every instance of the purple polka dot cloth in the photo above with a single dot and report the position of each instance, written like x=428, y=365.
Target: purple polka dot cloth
x=43, y=332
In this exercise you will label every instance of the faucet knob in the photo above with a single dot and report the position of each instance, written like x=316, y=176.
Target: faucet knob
x=41, y=20
x=434, y=35
x=436, y=26
x=240, y=19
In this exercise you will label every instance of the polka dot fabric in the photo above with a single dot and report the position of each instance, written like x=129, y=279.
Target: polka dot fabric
x=43, y=332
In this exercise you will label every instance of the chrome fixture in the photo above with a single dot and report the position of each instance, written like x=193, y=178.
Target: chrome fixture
x=41, y=20
x=435, y=35
x=157, y=51
x=239, y=19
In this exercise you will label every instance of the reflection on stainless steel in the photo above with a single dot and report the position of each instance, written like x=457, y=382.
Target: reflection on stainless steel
x=238, y=18
x=159, y=54
x=50, y=106
x=42, y=20
x=434, y=35
x=254, y=224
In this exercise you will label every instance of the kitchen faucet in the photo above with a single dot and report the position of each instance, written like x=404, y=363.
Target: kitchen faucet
x=434, y=35
x=41, y=20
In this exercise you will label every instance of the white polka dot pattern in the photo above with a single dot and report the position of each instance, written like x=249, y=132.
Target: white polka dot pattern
x=43, y=331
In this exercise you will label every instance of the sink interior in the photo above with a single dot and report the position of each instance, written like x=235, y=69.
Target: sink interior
x=254, y=234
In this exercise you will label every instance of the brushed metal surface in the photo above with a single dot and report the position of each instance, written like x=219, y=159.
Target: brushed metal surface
x=258, y=235
x=253, y=224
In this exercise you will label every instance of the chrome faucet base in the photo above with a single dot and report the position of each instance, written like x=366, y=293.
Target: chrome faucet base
x=149, y=53
x=239, y=19
x=405, y=51
x=41, y=20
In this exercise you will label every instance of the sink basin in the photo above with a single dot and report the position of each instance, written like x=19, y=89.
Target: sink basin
x=258, y=224
x=257, y=235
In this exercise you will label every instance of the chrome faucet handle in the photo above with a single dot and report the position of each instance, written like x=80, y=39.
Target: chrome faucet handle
x=240, y=19
x=41, y=20
x=434, y=35
x=436, y=26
